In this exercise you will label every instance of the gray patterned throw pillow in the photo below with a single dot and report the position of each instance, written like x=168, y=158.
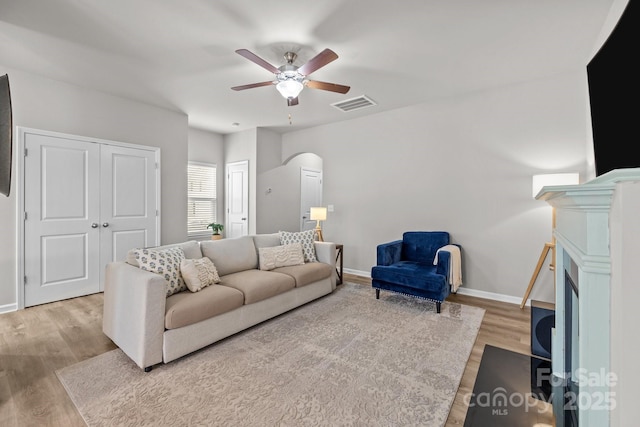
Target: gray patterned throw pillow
x=305, y=238
x=165, y=262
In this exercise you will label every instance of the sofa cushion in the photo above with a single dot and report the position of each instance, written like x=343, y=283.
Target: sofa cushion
x=307, y=273
x=191, y=250
x=280, y=256
x=165, y=262
x=186, y=308
x=266, y=240
x=306, y=238
x=258, y=285
x=411, y=274
x=198, y=273
x=231, y=255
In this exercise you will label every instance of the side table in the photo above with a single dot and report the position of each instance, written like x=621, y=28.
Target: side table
x=339, y=262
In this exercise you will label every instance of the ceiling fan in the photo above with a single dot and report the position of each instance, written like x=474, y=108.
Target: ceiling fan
x=290, y=79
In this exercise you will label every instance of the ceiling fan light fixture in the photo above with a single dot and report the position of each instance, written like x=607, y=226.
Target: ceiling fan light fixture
x=289, y=88
x=291, y=79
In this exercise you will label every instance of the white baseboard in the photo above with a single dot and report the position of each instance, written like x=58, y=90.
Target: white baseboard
x=360, y=273
x=492, y=296
x=8, y=308
x=463, y=291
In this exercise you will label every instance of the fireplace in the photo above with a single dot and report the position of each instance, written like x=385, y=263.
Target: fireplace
x=594, y=347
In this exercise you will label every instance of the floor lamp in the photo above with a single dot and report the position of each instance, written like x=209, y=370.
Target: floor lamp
x=540, y=181
x=318, y=214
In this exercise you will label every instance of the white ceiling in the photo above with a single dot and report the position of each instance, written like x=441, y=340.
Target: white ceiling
x=181, y=54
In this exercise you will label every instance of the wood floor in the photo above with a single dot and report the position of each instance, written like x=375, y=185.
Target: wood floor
x=34, y=343
x=37, y=341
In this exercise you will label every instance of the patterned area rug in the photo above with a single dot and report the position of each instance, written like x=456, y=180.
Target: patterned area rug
x=345, y=359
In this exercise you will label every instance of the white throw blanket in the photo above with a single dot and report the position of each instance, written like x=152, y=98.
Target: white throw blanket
x=455, y=265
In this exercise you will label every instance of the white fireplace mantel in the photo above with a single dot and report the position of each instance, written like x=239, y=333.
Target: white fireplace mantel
x=598, y=231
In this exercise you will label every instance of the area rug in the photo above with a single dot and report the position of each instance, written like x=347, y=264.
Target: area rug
x=345, y=359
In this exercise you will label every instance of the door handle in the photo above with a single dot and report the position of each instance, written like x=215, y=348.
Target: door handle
x=105, y=224
x=94, y=225
x=244, y=219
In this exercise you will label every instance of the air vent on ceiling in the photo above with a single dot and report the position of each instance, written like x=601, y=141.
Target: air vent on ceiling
x=356, y=103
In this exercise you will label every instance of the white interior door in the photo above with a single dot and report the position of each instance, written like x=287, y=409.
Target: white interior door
x=129, y=215
x=86, y=203
x=62, y=215
x=237, y=199
x=310, y=196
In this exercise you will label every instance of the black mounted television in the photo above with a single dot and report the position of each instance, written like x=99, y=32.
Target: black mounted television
x=613, y=92
x=6, y=136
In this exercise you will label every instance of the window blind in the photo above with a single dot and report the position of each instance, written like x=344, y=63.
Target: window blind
x=201, y=195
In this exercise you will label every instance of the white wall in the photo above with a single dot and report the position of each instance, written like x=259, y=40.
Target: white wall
x=274, y=184
x=47, y=104
x=242, y=146
x=268, y=158
x=269, y=150
x=463, y=165
x=279, y=208
x=208, y=147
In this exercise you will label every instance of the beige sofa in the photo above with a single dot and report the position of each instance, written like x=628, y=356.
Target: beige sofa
x=152, y=328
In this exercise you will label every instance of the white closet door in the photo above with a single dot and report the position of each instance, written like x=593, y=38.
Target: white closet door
x=86, y=203
x=129, y=218
x=62, y=206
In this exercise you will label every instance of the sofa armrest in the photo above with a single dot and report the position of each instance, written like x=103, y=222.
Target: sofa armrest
x=389, y=253
x=134, y=311
x=326, y=253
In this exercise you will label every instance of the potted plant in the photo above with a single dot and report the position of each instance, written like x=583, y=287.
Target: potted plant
x=216, y=228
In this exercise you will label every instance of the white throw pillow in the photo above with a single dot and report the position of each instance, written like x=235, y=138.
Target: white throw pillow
x=199, y=273
x=165, y=262
x=280, y=256
x=305, y=238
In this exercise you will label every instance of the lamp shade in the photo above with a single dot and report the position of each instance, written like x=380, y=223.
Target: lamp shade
x=289, y=88
x=543, y=180
x=318, y=214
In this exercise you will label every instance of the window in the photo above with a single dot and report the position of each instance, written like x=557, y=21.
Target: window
x=201, y=195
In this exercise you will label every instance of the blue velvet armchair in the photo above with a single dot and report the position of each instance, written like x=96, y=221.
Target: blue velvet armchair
x=406, y=266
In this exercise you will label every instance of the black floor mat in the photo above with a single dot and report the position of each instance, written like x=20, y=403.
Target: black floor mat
x=510, y=390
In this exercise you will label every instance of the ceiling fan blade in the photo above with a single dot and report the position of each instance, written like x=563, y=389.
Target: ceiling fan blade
x=320, y=60
x=292, y=101
x=332, y=87
x=256, y=59
x=252, y=85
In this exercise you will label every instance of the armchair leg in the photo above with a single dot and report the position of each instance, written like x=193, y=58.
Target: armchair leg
x=438, y=305
x=377, y=293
